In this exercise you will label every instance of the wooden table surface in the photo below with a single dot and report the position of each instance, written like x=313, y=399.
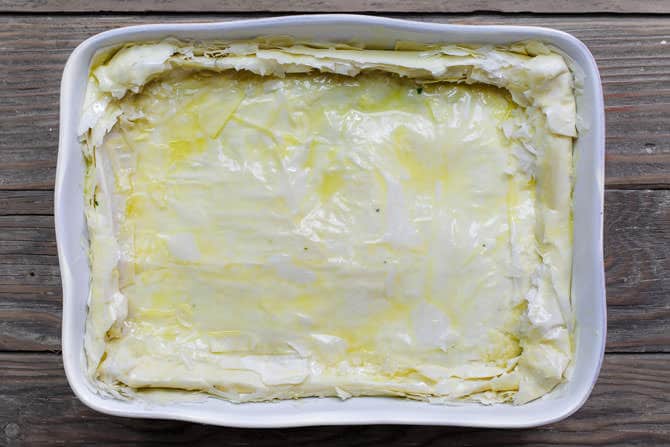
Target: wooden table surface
x=631, y=42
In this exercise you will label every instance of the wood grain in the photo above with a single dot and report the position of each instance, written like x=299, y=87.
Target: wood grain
x=637, y=266
x=311, y=6
x=629, y=406
x=631, y=402
x=30, y=292
x=634, y=63
x=26, y=202
x=637, y=237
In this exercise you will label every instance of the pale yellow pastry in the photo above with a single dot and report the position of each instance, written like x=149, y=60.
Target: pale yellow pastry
x=274, y=219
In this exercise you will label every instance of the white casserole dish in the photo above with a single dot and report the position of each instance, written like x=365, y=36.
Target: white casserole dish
x=588, y=289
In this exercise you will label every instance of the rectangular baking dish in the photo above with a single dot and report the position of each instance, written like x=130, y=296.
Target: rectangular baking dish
x=588, y=285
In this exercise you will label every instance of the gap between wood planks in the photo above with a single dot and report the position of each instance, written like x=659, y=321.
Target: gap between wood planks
x=377, y=6
x=40, y=203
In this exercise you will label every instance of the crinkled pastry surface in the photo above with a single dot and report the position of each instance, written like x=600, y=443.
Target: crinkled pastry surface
x=274, y=219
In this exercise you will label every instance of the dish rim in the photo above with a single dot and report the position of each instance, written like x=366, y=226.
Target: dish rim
x=72, y=358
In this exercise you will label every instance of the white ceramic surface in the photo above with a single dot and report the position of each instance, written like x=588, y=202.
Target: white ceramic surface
x=588, y=283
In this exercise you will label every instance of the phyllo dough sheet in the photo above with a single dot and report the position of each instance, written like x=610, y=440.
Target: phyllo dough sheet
x=276, y=219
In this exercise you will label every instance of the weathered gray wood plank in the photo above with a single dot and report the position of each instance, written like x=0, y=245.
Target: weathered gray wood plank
x=629, y=406
x=30, y=291
x=637, y=256
x=633, y=54
x=310, y=6
x=637, y=265
x=30, y=300
x=26, y=236
x=26, y=202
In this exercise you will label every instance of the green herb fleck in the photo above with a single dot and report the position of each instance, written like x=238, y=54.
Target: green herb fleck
x=419, y=90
